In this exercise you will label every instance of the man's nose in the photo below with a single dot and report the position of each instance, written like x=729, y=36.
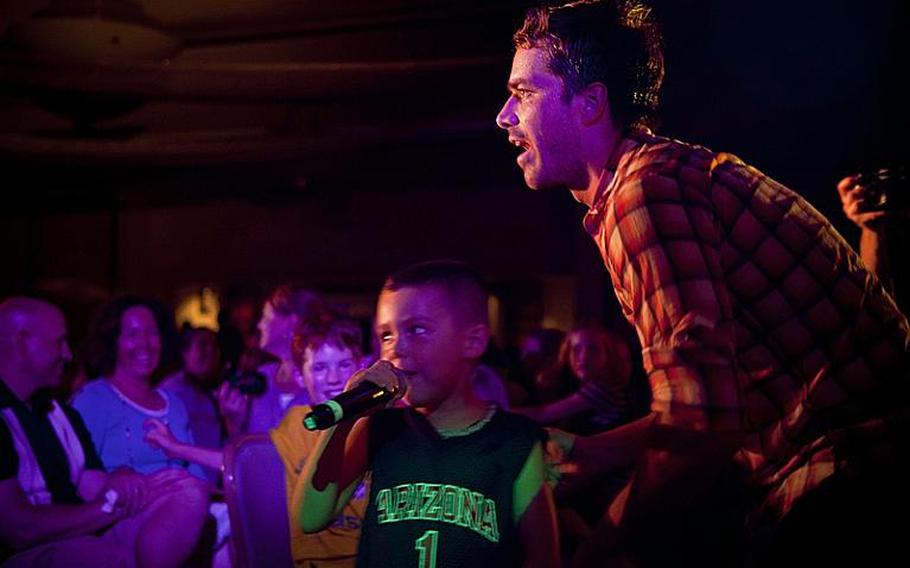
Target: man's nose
x=506, y=117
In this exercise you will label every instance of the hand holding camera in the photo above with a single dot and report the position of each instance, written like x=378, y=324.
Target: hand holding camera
x=870, y=198
x=233, y=397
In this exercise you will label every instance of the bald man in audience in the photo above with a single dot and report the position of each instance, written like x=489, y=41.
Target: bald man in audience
x=58, y=506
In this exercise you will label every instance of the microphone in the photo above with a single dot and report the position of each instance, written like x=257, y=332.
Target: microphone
x=350, y=404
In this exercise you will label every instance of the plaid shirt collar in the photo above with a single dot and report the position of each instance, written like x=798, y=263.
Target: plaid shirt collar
x=608, y=180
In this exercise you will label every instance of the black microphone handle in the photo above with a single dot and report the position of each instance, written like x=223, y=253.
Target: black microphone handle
x=352, y=403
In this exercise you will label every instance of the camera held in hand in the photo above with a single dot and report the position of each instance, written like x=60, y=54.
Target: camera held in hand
x=247, y=382
x=886, y=189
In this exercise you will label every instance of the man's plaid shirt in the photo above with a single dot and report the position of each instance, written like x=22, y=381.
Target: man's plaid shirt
x=750, y=307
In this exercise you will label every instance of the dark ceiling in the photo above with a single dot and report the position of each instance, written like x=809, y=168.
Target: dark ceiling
x=301, y=120
x=289, y=94
x=296, y=93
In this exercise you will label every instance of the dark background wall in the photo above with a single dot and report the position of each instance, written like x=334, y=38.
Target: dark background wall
x=333, y=178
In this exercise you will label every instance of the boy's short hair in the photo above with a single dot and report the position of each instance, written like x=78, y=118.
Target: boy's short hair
x=463, y=286
x=340, y=333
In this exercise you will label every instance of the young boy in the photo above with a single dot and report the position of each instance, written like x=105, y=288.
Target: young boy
x=331, y=354
x=455, y=482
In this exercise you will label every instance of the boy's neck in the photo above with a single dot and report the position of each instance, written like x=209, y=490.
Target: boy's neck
x=460, y=410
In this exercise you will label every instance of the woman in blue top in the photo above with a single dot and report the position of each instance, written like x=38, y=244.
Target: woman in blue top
x=129, y=340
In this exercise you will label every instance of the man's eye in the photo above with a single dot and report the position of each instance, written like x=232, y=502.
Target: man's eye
x=521, y=94
x=385, y=337
x=319, y=368
x=418, y=330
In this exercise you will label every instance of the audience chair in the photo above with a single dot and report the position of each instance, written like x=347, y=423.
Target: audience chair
x=257, y=503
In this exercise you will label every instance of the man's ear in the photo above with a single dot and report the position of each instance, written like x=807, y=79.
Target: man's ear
x=477, y=337
x=594, y=103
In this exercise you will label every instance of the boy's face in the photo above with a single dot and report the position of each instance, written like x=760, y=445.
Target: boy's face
x=419, y=334
x=326, y=369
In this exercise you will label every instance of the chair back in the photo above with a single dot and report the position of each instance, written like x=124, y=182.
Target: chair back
x=254, y=489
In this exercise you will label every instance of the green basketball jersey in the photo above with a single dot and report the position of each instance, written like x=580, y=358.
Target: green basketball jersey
x=443, y=502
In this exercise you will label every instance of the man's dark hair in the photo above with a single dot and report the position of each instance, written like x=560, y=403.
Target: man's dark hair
x=464, y=287
x=614, y=42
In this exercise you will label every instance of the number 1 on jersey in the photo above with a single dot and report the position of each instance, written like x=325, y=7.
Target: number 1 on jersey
x=426, y=546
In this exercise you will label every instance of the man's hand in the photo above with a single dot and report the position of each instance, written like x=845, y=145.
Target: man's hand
x=856, y=206
x=560, y=443
x=132, y=491
x=559, y=468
